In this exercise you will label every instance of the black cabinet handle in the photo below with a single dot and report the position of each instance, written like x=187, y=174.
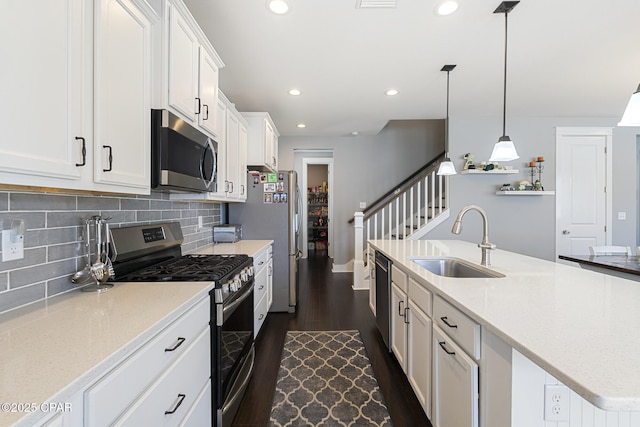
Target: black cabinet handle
x=261, y=317
x=442, y=344
x=400, y=308
x=177, y=405
x=110, y=158
x=178, y=344
x=199, y=106
x=445, y=321
x=84, y=151
x=406, y=315
x=206, y=112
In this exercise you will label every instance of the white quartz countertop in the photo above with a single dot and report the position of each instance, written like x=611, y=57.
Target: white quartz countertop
x=248, y=247
x=580, y=326
x=51, y=350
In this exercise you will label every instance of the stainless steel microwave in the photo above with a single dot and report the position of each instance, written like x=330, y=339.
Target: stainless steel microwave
x=182, y=157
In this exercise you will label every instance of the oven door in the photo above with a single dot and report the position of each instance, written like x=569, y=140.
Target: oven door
x=234, y=352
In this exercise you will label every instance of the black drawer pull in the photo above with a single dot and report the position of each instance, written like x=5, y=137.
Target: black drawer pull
x=177, y=405
x=261, y=317
x=84, y=151
x=177, y=344
x=445, y=321
x=442, y=343
x=261, y=287
x=199, y=106
x=400, y=308
x=206, y=112
x=110, y=158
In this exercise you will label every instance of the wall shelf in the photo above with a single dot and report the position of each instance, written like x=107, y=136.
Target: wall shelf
x=491, y=172
x=525, y=193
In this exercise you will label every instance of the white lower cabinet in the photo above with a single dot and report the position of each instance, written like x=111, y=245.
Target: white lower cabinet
x=200, y=413
x=455, y=384
x=160, y=382
x=411, y=333
x=262, y=292
x=168, y=400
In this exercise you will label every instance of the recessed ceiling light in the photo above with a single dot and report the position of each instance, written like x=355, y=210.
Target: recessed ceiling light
x=278, y=6
x=391, y=92
x=294, y=92
x=302, y=125
x=354, y=133
x=447, y=7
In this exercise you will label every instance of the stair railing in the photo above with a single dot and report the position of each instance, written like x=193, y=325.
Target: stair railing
x=409, y=211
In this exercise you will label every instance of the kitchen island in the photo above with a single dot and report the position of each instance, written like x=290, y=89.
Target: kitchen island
x=578, y=326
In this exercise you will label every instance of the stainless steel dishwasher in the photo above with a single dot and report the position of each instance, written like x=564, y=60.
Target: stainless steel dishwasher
x=383, y=295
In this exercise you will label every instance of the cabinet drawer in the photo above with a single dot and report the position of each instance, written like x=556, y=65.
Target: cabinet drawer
x=261, y=285
x=260, y=314
x=464, y=331
x=261, y=259
x=170, y=398
x=399, y=277
x=115, y=392
x=420, y=296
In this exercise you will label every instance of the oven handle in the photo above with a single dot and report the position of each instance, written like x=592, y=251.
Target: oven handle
x=237, y=301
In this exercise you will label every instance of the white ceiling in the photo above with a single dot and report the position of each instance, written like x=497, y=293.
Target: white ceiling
x=566, y=58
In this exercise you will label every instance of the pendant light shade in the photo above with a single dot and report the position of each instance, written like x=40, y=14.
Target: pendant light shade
x=447, y=167
x=504, y=150
x=631, y=115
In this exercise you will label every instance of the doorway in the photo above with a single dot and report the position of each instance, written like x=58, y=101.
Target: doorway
x=317, y=184
x=583, y=204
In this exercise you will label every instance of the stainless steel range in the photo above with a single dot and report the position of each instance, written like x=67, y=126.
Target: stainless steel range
x=149, y=253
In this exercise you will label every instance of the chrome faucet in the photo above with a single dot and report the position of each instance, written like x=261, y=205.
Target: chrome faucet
x=484, y=245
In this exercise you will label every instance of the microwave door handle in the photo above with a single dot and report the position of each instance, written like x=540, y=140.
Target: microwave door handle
x=214, y=162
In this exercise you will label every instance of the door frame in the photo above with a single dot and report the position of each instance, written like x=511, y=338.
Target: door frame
x=306, y=161
x=606, y=132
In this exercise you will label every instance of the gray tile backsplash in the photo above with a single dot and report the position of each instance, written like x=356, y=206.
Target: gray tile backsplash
x=53, y=248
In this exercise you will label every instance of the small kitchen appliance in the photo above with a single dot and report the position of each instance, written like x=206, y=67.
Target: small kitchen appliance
x=149, y=253
x=229, y=233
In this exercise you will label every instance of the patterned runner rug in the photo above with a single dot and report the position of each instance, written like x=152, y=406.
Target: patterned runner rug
x=325, y=379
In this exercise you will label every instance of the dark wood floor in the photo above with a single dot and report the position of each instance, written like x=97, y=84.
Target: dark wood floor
x=326, y=302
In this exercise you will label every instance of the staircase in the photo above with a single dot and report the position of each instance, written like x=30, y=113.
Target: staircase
x=409, y=211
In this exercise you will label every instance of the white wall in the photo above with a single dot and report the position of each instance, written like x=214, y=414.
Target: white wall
x=527, y=224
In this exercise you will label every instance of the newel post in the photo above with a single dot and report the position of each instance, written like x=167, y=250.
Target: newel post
x=358, y=261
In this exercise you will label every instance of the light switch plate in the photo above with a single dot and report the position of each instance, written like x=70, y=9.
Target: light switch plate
x=622, y=216
x=363, y=205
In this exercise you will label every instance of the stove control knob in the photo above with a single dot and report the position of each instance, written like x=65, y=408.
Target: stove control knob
x=250, y=270
x=225, y=287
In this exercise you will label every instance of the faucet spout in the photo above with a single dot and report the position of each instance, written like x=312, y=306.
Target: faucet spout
x=485, y=246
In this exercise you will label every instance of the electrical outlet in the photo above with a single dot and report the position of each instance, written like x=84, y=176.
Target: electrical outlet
x=12, y=239
x=622, y=216
x=199, y=222
x=363, y=205
x=556, y=402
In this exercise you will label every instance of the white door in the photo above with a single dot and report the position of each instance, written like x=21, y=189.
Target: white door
x=419, y=355
x=398, y=325
x=208, y=89
x=183, y=67
x=583, y=209
x=233, y=151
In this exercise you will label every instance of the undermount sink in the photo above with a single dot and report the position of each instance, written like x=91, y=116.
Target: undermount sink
x=455, y=267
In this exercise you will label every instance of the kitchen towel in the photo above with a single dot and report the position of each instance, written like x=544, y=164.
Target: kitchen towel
x=325, y=378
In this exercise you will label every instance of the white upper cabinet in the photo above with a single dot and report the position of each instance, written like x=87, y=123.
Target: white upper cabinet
x=82, y=70
x=45, y=83
x=122, y=125
x=262, y=142
x=191, y=88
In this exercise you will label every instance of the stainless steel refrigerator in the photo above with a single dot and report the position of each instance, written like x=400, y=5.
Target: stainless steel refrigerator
x=272, y=211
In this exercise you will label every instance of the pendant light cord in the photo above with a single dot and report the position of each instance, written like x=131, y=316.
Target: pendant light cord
x=504, y=103
x=446, y=125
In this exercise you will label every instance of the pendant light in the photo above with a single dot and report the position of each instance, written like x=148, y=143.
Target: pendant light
x=504, y=150
x=447, y=167
x=631, y=115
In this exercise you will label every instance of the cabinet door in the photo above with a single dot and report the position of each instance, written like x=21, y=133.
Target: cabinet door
x=46, y=89
x=183, y=67
x=232, y=132
x=200, y=413
x=122, y=95
x=242, y=162
x=455, y=384
x=269, y=133
x=208, y=90
x=419, y=355
x=221, y=124
x=270, y=282
x=398, y=310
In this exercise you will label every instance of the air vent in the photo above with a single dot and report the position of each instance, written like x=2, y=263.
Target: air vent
x=376, y=4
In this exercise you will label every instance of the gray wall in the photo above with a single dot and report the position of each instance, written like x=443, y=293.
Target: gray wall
x=53, y=231
x=527, y=224
x=365, y=167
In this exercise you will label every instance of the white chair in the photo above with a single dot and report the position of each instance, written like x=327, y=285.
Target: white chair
x=610, y=250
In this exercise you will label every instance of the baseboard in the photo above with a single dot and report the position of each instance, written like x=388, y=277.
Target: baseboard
x=342, y=268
